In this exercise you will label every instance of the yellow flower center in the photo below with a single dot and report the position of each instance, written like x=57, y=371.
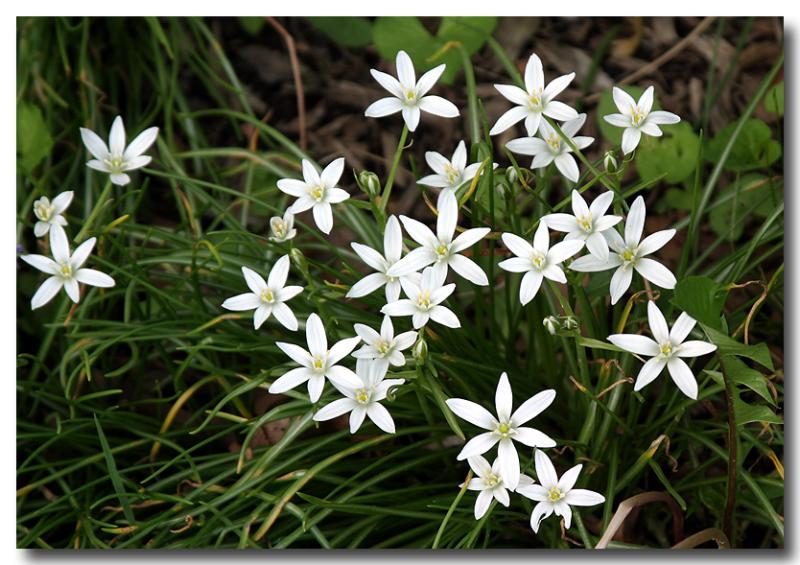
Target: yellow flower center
x=66, y=270
x=492, y=480
x=637, y=116
x=554, y=494
x=424, y=300
x=362, y=396
x=538, y=260
x=535, y=99
x=666, y=349
x=410, y=95
x=442, y=250
x=585, y=222
x=382, y=346
x=504, y=430
x=317, y=193
x=115, y=164
x=318, y=363
x=43, y=211
x=451, y=173
x=628, y=257
x=267, y=296
x=554, y=141
x=279, y=228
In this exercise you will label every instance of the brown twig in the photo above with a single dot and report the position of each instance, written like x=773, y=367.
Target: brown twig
x=702, y=537
x=298, y=81
x=629, y=504
x=663, y=58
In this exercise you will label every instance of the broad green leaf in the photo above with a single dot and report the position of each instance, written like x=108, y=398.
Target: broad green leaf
x=729, y=346
x=674, y=154
x=470, y=32
x=741, y=374
x=678, y=198
x=753, y=149
x=404, y=33
x=747, y=413
x=701, y=298
x=753, y=194
x=607, y=106
x=350, y=31
x=773, y=99
x=33, y=138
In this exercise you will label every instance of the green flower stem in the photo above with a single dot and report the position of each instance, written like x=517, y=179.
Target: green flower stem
x=101, y=202
x=387, y=190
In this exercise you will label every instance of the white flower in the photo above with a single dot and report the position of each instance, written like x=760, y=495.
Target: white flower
x=489, y=480
x=505, y=428
x=317, y=191
x=65, y=269
x=666, y=350
x=441, y=249
x=362, y=397
x=409, y=95
x=424, y=300
x=629, y=254
x=393, y=249
x=551, y=324
x=588, y=222
x=384, y=346
x=449, y=175
x=552, y=148
x=116, y=158
x=49, y=213
x=317, y=363
x=537, y=261
x=267, y=297
x=282, y=228
x=556, y=495
x=535, y=100
x=637, y=118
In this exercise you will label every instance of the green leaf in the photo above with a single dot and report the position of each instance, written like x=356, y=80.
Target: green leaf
x=113, y=473
x=729, y=346
x=701, y=298
x=33, y=138
x=673, y=154
x=395, y=33
x=607, y=106
x=350, y=31
x=747, y=413
x=753, y=194
x=773, y=99
x=740, y=373
x=679, y=198
x=470, y=32
x=753, y=149
x=597, y=344
x=252, y=24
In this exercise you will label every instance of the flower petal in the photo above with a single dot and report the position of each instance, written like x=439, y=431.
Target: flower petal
x=662, y=117
x=533, y=438
x=289, y=380
x=471, y=412
x=481, y=443
x=569, y=478
x=683, y=377
x=444, y=316
x=96, y=146
x=468, y=269
x=532, y=407
x=508, y=119
x=46, y=291
x=639, y=344
x=556, y=87
x=42, y=263
x=513, y=93
x=509, y=463
x=94, y=278
x=141, y=143
x=405, y=70
x=534, y=74
x=428, y=79
x=367, y=285
x=583, y=497
x=279, y=273
x=393, y=240
x=285, y=316
x=695, y=348
x=383, y=107
x=656, y=273
x=332, y=173
x=540, y=512
x=335, y=409
x=620, y=283
x=116, y=137
x=630, y=139
x=323, y=217
x=468, y=238
x=357, y=418
x=295, y=353
x=388, y=82
x=655, y=241
x=254, y=281
x=482, y=503
x=682, y=327
x=658, y=324
x=438, y=106
x=619, y=120
x=545, y=472
x=529, y=286
x=380, y=415
x=649, y=372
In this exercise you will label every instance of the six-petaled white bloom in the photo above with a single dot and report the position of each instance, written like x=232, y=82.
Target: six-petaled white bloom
x=629, y=254
x=505, y=428
x=267, y=297
x=450, y=174
x=637, y=117
x=665, y=350
x=424, y=300
x=49, y=213
x=316, y=363
x=408, y=95
x=550, y=147
x=317, y=191
x=537, y=261
x=115, y=158
x=362, y=395
x=282, y=228
x=554, y=494
x=65, y=269
x=489, y=481
x=392, y=249
x=440, y=249
x=385, y=346
x=588, y=222
x=535, y=100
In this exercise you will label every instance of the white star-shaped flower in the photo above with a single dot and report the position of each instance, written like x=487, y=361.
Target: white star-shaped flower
x=392, y=249
x=384, y=346
x=489, y=481
x=440, y=249
x=450, y=174
x=588, y=223
x=550, y=147
x=424, y=300
x=637, y=117
x=362, y=397
x=505, y=428
x=316, y=363
x=282, y=229
x=535, y=100
x=317, y=191
x=409, y=95
x=49, y=213
x=537, y=261
x=65, y=269
x=666, y=350
x=630, y=254
x=556, y=495
x=267, y=297
x=116, y=158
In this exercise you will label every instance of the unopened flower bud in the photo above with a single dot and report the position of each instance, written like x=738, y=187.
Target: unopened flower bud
x=369, y=183
x=511, y=175
x=610, y=162
x=551, y=323
x=420, y=351
x=299, y=261
x=570, y=323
